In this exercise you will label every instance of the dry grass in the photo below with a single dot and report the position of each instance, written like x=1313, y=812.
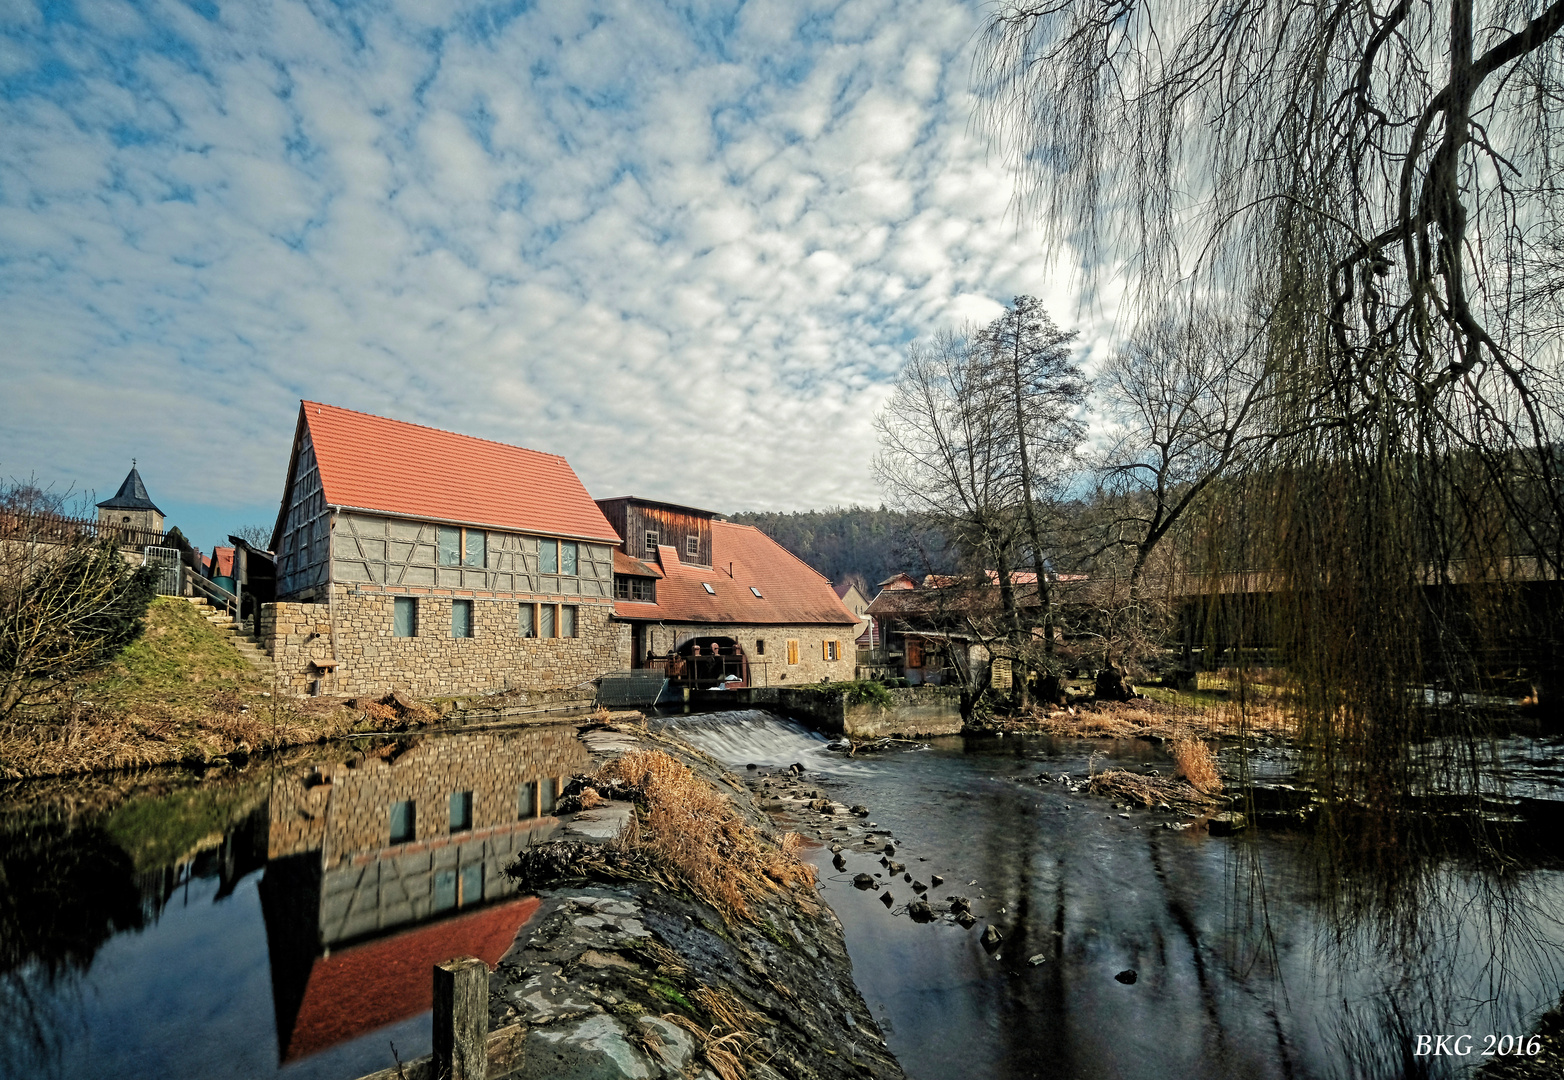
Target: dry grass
x=1194, y=761
x=1148, y=791
x=694, y=831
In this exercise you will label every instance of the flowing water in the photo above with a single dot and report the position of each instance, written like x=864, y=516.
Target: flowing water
x=280, y=920
x=1247, y=963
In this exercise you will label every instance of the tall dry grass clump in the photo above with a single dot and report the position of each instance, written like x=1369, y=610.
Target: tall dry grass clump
x=694, y=830
x=1194, y=761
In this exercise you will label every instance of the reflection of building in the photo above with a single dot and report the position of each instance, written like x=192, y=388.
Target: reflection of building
x=720, y=604
x=400, y=843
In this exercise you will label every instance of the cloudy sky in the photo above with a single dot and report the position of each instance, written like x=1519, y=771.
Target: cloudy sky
x=683, y=246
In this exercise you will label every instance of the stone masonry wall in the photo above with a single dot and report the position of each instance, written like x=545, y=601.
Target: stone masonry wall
x=772, y=668
x=432, y=663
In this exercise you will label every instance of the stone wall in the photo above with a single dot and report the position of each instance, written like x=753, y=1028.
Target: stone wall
x=432, y=663
x=771, y=668
x=344, y=812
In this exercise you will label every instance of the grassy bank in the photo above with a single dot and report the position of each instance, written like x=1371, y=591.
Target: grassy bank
x=180, y=694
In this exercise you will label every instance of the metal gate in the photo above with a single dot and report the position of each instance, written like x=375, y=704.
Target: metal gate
x=170, y=578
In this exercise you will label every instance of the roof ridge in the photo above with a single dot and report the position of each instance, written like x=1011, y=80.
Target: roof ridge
x=305, y=403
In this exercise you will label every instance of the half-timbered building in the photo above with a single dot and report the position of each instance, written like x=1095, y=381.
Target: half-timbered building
x=415, y=559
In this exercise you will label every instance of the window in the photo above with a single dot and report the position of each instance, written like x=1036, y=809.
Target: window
x=692, y=546
x=635, y=588
x=567, y=556
x=710, y=591
x=527, y=802
x=548, y=556
x=756, y=592
x=651, y=541
x=529, y=620
x=404, y=617
x=760, y=646
x=450, y=545
x=476, y=550
x=461, y=811
x=469, y=885
x=444, y=890
x=828, y=650
x=461, y=618
x=548, y=792
x=546, y=626
x=792, y=650
x=567, y=621
x=404, y=822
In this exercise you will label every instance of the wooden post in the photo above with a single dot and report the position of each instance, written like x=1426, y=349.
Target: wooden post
x=461, y=1019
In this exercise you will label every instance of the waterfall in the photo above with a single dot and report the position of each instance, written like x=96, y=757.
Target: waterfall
x=753, y=736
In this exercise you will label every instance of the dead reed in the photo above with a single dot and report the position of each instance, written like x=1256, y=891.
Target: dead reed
x=693, y=830
x=1194, y=761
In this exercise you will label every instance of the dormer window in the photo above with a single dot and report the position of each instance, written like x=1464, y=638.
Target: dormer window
x=651, y=542
x=756, y=592
x=692, y=546
x=709, y=588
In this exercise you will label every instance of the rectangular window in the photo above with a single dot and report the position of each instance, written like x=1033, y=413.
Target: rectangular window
x=651, y=542
x=469, y=885
x=548, y=793
x=529, y=620
x=477, y=549
x=567, y=621
x=527, y=802
x=548, y=556
x=404, y=617
x=461, y=618
x=635, y=588
x=567, y=556
x=792, y=651
x=546, y=629
x=760, y=646
x=692, y=546
x=404, y=822
x=461, y=811
x=828, y=650
x=450, y=545
x=444, y=890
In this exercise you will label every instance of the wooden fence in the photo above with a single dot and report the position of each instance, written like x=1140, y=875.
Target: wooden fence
x=60, y=529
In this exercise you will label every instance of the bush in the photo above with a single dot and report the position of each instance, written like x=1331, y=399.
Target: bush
x=64, y=609
x=1193, y=760
x=859, y=692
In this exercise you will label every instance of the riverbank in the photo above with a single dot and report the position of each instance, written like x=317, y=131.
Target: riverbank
x=695, y=944
x=181, y=694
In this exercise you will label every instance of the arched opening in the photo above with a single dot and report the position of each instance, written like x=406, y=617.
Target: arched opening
x=709, y=663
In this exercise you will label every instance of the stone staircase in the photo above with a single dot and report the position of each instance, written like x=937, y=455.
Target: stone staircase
x=248, y=646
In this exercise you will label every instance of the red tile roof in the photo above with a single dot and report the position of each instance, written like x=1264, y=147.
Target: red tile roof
x=223, y=562
x=790, y=592
x=629, y=565
x=372, y=463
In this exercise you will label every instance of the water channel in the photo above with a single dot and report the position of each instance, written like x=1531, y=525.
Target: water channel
x=257, y=923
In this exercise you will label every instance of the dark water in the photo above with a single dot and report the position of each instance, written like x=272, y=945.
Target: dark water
x=1248, y=962
x=261, y=922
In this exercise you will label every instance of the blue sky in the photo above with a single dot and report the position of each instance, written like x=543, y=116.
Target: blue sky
x=683, y=246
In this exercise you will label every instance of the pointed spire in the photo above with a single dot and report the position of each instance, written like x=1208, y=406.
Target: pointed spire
x=132, y=494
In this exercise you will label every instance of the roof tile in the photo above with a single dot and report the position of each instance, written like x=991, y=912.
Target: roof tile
x=373, y=463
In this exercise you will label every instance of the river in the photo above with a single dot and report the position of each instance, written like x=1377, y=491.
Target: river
x=256, y=923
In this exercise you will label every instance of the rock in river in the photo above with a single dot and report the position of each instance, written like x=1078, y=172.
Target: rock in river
x=992, y=937
x=863, y=881
x=1127, y=976
x=1225, y=823
x=920, y=911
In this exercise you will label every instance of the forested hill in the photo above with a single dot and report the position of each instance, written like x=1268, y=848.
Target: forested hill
x=872, y=544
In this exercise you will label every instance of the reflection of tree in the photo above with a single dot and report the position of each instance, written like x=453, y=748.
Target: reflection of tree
x=63, y=892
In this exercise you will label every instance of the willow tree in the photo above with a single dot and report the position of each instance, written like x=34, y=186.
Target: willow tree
x=1381, y=185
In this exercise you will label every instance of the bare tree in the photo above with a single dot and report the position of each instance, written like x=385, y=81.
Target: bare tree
x=68, y=602
x=1029, y=359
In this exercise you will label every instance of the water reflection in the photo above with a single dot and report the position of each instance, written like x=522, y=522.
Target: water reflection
x=1285, y=952
x=339, y=879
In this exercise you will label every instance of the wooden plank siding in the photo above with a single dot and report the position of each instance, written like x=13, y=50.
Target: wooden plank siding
x=674, y=526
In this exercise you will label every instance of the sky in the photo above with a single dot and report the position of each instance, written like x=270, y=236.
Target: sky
x=685, y=247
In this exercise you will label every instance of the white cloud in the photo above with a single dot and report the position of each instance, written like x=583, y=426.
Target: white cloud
x=687, y=257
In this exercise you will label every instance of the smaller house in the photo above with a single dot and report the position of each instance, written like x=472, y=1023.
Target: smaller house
x=221, y=569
